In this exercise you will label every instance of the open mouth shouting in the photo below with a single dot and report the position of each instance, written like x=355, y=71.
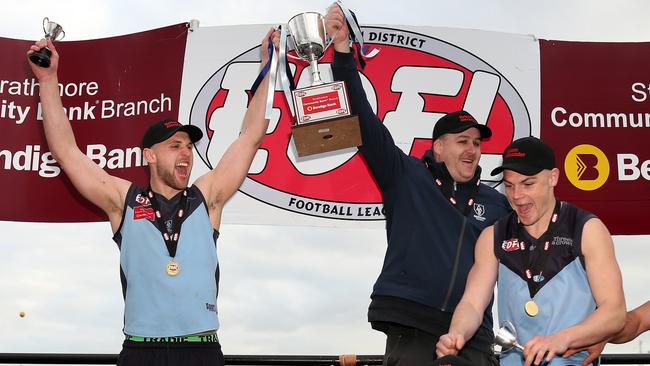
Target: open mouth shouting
x=183, y=170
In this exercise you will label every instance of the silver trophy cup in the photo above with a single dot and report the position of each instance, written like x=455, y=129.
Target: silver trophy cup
x=53, y=31
x=308, y=33
x=323, y=117
x=506, y=337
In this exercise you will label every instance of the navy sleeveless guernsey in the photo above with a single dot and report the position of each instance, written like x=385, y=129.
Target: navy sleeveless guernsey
x=564, y=298
x=157, y=304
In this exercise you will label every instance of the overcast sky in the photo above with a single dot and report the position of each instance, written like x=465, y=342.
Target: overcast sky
x=284, y=290
x=600, y=20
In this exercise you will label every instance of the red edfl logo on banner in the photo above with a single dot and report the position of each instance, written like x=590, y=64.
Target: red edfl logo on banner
x=412, y=81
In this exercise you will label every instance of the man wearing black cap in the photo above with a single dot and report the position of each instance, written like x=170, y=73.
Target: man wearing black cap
x=435, y=209
x=167, y=231
x=559, y=284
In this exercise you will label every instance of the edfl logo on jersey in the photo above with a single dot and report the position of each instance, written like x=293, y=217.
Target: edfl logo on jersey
x=586, y=167
x=410, y=85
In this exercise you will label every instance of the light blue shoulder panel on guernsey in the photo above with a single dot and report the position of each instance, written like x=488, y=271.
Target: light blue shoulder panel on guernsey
x=159, y=305
x=564, y=301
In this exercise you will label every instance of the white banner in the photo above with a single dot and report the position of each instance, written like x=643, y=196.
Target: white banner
x=419, y=74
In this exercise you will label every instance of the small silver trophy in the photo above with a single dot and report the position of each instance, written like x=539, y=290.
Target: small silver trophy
x=322, y=110
x=506, y=337
x=52, y=31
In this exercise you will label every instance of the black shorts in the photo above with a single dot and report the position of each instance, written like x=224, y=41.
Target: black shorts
x=170, y=354
x=407, y=346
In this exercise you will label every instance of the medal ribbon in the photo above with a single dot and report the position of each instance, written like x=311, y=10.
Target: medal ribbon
x=356, y=35
x=545, y=239
x=270, y=68
x=448, y=192
x=446, y=184
x=171, y=240
x=285, y=81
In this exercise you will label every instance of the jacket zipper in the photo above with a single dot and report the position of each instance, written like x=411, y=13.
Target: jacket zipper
x=454, y=271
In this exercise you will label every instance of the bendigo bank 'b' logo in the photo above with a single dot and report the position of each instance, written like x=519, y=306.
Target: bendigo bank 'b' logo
x=586, y=167
x=413, y=81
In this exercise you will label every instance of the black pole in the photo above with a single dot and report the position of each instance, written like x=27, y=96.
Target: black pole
x=111, y=359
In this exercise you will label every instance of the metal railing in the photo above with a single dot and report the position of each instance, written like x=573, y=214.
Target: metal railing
x=268, y=360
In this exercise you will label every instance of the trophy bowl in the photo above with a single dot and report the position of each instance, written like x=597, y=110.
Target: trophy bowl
x=506, y=337
x=308, y=33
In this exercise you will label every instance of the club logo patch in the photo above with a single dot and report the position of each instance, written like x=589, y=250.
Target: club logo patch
x=511, y=245
x=142, y=212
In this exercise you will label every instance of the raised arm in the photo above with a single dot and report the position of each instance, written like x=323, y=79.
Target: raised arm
x=379, y=149
x=606, y=285
x=479, y=289
x=223, y=181
x=94, y=183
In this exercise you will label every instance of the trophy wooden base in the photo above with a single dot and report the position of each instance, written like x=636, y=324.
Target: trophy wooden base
x=325, y=136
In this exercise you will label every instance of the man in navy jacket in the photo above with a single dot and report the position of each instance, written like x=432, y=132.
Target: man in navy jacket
x=436, y=208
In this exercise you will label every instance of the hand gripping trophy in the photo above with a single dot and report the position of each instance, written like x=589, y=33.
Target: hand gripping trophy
x=323, y=120
x=52, y=31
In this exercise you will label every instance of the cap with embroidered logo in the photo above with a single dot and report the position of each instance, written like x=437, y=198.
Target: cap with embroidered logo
x=527, y=156
x=162, y=130
x=457, y=122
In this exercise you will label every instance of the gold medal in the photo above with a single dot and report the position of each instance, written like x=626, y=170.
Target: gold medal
x=531, y=308
x=173, y=268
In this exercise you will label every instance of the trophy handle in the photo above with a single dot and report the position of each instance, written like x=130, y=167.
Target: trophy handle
x=331, y=38
x=294, y=57
x=330, y=42
x=45, y=21
x=57, y=36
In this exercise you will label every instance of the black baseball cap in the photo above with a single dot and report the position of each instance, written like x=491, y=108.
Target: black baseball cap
x=456, y=122
x=527, y=156
x=162, y=130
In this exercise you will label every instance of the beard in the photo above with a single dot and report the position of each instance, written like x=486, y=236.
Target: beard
x=168, y=177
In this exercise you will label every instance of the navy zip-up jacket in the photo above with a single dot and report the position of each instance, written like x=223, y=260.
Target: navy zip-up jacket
x=430, y=242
